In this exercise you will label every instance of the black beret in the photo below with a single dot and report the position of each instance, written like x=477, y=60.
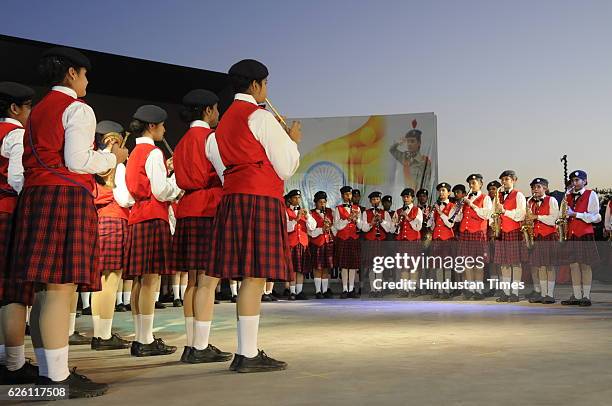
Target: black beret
x=150, y=113
x=200, y=98
x=508, y=172
x=459, y=188
x=445, y=185
x=293, y=192
x=539, y=181
x=423, y=192
x=108, y=126
x=474, y=176
x=578, y=174
x=345, y=189
x=493, y=183
x=356, y=192
x=387, y=198
x=72, y=55
x=407, y=192
x=374, y=194
x=15, y=92
x=250, y=69
x=320, y=195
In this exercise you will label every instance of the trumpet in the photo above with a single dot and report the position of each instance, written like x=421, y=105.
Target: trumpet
x=277, y=114
x=109, y=140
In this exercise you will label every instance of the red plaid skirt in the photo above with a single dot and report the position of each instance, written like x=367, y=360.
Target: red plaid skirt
x=473, y=245
x=250, y=239
x=443, y=248
x=348, y=253
x=412, y=248
x=113, y=243
x=322, y=257
x=55, y=239
x=300, y=258
x=545, y=251
x=191, y=244
x=510, y=249
x=149, y=249
x=582, y=250
x=5, y=236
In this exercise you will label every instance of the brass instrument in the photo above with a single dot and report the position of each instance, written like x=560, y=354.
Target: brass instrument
x=563, y=219
x=354, y=216
x=527, y=227
x=327, y=223
x=496, y=216
x=377, y=220
x=277, y=114
x=109, y=140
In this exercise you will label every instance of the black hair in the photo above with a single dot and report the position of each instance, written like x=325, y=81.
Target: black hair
x=192, y=113
x=137, y=127
x=240, y=83
x=6, y=102
x=414, y=134
x=53, y=69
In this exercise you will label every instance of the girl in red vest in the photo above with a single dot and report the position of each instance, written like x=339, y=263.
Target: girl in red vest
x=347, y=223
x=55, y=242
x=543, y=257
x=580, y=249
x=474, y=218
x=442, y=235
x=113, y=213
x=149, y=230
x=510, y=248
x=299, y=223
x=408, y=221
x=322, y=245
x=375, y=224
x=15, y=106
x=254, y=155
x=193, y=236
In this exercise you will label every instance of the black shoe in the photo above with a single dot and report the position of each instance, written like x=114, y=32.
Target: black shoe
x=273, y=298
x=351, y=295
x=503, y=298
x=478, y=296
x=234, y=365
x=78, y=339
x=260, y=363
x=28, y=373
x=128, y=307
x=185, y=354
x=572, y=301
x=403, y=293
x=27, y=330
x=275, y=294
x=265, y=298
x=435, y=295
x=319, y=295
x=217, y=302
x=344, y=295
x=86, y=311
x=234, y=298
x=584, y=302
x=444, y=296
x=548, y=300
x=286, y=293
x=120, y=308
x=157, y=347
x=328, y=294
x=301, y=296
x=78, y=314
x=177, y=303
x=113, y=343
x=539, y=299
x=373, y=294
x=467, y=295
x=489, y=293
x=208, y=354
x=160, y=305
x=79, y=386
x=292, y=296
x=513, y=298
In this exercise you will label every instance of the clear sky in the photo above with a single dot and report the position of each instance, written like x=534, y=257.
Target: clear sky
x=515, y=84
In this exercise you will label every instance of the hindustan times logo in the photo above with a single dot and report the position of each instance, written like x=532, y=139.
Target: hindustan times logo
x=413, y=263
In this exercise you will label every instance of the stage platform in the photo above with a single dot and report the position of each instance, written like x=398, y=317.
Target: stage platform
x=383, y=352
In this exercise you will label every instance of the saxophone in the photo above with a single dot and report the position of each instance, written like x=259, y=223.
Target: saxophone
x=377, y=220
x=429, y=233
x=563, y=218
x=496, y=216
x=327, y=223
x=527, y=227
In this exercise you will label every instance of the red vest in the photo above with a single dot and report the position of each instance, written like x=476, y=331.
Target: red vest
x=48, y=138
x=577, y=227
x=350, y=231
x=371, y=235
x=324, y=238
x=106, y=204
x=405, y=230
x=248, y=169
x=299, y=235
x=196, y=176
x=147, y=207
x=540, y=229
x=471, y=222
x=509, y=203
x=8, y=196
x=441, y=231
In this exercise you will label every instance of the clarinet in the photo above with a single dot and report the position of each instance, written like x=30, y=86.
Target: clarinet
x=458, y=207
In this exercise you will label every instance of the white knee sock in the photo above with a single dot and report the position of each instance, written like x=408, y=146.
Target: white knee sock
x=127, y=298
x=41, y=360
x=351, y=281
x=234, y=289
x=324, y=285
x=85, y=299
x=586, y=288
x=106, y=326
x=298, y=288
x=239, y=349
x=577, y=290
x=15, y=357
x=189, y=330
x=247, y=330
x=119, y=299
x=157, y=296
x=201, y=334
x=72, y=323
x=292, y=289
x=146, y=328
x=57, y=364
x=176, y=292
x=183, y=289
x=317, y=282
x=96, y=325
x=344, y=274
x=137, y=336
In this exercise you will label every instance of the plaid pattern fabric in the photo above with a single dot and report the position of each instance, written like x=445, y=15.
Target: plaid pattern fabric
x=300, y=258
x=113, y=234
x=191, y=244
x=322, y=257
x=55, y=239
x=149, y=249
x=5, y=236
x=440, y=248
x=545, y=251
x=250, y=239
x=473, y=245
x=348, y=253
x=510, y=249
x=580, y=249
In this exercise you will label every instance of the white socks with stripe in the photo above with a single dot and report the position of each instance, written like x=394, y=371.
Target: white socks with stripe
x=201, y=334
x=248, y=327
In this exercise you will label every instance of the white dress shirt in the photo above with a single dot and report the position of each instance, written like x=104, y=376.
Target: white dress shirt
x=483, y=212
x=79, y=123
x=164, y=188
x=517, y=214
x=608, y=219
x=120, y=192
x=386, y=224
x=339, y=223
x=311, y=223
x=416, y=224
x=592, y=214
x=317, y=231
x=549, y=219
x=431, y=222
x=281, y=150
x=12, y=149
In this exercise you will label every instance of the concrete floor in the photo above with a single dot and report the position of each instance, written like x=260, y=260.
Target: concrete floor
x=358, y=352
